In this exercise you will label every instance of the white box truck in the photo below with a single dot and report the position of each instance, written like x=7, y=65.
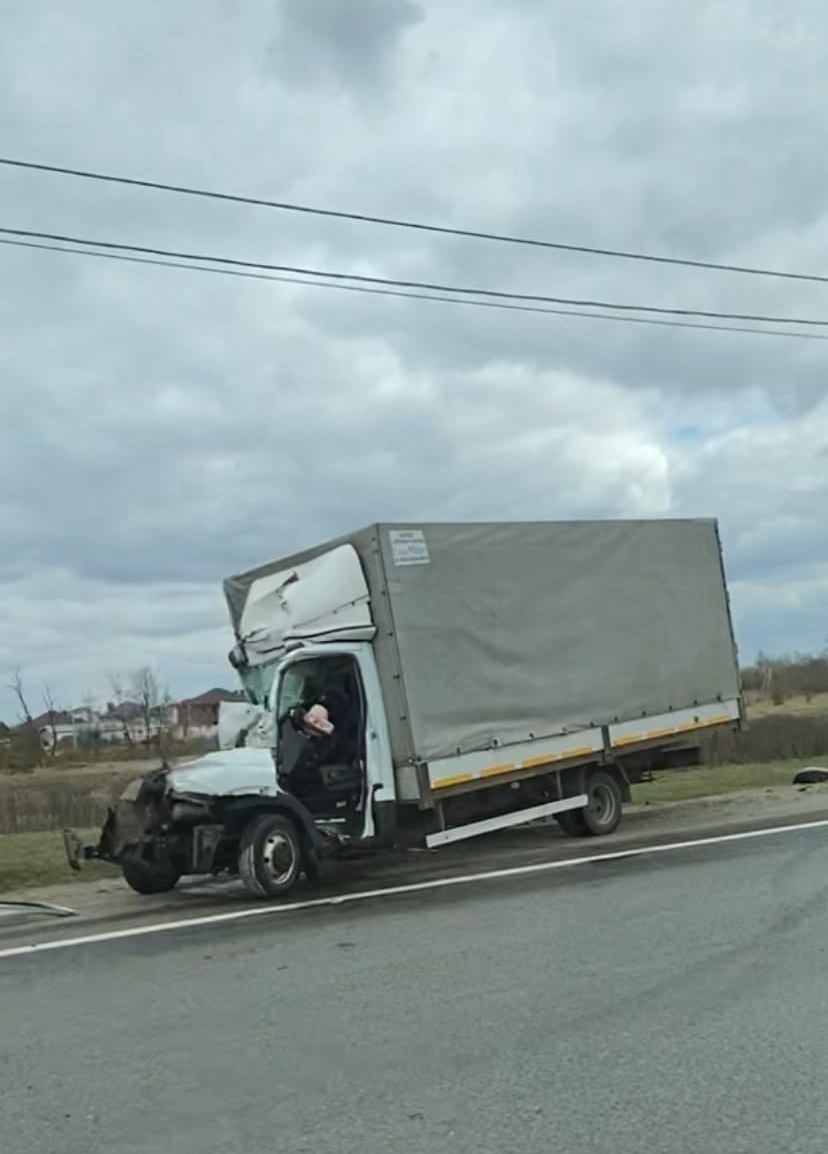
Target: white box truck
x=430, y=683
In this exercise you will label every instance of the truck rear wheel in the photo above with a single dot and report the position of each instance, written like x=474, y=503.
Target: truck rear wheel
x=150, y=878
x=270, y=856
x=571, y=823
x=602, y=813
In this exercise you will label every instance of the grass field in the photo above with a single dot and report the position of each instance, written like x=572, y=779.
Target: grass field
x=52, y=800
x=758, y=706
x=37, y=859
x=713, y=780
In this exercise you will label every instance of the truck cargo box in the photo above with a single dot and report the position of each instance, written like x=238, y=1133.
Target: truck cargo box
x=492, y=635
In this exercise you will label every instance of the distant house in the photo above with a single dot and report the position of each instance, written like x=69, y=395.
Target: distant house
x=126, y=722
x=61, y=725
x=63, y=718
x=198, y=716
x=60, y=718
x=84, y=726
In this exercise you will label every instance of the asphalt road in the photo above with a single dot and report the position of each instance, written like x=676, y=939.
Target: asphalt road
x=108, y=905
x=658, y=1003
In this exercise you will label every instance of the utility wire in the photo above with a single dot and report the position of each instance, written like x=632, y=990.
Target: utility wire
x=425, y=286
x=387, y=292
x=419, y=226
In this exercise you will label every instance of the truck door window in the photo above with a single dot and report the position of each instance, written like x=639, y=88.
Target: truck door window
x=292, y=688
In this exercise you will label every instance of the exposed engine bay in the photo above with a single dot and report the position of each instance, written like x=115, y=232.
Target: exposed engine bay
x=189, y=819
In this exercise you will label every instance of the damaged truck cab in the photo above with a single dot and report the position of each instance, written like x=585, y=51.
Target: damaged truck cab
x=469, y=678
x=269, y=813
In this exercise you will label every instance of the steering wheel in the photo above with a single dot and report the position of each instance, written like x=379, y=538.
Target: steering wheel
x=295, y=715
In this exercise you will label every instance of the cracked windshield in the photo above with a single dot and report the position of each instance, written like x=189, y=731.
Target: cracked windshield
x=413, y=638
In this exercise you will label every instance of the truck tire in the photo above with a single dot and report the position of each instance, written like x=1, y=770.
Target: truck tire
x=270, y=856
x=603, y=813
x=571, y=823
x=150, y=878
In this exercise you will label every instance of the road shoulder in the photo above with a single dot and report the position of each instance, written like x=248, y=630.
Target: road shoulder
x=108, y=903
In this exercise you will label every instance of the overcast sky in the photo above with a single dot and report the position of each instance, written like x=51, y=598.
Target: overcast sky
x=160, y=429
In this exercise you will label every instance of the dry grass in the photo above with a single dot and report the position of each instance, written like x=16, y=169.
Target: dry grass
x=758, y=706
x=713, y=780
x=52, y=800
x=37, y=859
x=34, y=857
x=36, y=807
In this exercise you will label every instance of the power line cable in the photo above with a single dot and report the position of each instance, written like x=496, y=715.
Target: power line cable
x=387, y=292
x=425, y=286
x=419, y=226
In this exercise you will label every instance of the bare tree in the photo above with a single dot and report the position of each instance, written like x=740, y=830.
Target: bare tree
x=16, y=686
x=153, y=702
x=165, y=723
x=139, y=696
x=146, y=693
x=120, y=702
x=90, y=734
x=49, y=702
x=31, y=736
x=766, y=670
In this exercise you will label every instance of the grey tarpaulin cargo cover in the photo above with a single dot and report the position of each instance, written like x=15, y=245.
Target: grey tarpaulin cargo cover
x=505, y=631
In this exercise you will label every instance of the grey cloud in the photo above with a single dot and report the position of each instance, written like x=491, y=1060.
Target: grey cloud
x=161, y=427
x=76, y=633
x=339, y=41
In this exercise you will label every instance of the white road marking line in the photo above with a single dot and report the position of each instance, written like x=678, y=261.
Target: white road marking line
x=399, y=890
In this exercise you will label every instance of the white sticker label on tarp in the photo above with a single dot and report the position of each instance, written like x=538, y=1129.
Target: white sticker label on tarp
x=408, y=547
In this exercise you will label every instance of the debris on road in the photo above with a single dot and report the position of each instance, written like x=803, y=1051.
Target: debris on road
x=811, y=775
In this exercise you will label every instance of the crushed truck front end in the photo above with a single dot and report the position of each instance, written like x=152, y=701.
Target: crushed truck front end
x=197, y=819
x=138, y=836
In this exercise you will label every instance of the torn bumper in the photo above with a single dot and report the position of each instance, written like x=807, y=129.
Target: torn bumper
x=77, y=853
x=129, y=824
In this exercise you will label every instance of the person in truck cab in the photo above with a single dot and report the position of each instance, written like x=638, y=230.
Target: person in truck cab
x=334, y=713
x=329, y=714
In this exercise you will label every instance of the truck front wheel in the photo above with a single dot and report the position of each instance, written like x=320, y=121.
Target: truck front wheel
x=602, y=813
x=270, y=856
x=150, y=878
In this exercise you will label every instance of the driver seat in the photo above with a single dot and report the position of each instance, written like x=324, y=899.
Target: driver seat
x=325, y=787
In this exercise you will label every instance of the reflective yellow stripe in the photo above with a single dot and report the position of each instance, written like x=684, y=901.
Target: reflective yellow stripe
x=545, y=759
x=496, y=770
x=579, y=751
x=719, y=719
x=457, y=779
x=686, y=727
x=511, y=767
x=548, y=758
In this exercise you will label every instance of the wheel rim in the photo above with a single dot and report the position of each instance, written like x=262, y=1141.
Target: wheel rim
x=278, y=857
x=602, y=804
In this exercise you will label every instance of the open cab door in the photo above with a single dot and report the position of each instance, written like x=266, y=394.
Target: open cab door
x=332, y=747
